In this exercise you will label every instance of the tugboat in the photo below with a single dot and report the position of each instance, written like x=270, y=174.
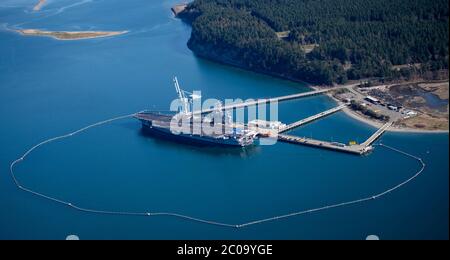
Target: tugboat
x=192, y=129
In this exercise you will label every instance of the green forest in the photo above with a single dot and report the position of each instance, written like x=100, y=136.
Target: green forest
x=323, y=41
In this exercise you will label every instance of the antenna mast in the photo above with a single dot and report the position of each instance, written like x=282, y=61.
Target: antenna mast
x=181, y=96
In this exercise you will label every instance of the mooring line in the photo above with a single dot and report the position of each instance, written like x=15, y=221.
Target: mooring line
x=187, y=217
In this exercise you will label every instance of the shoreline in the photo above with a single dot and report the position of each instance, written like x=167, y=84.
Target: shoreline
x=393, y=129
x=39, y=5
x=202, y=53
x=69, y=35
x=347, y=111
x=178, y=8
x=370, y=122
x=237, y=65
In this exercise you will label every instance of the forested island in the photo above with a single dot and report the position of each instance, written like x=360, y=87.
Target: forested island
x=323, y=41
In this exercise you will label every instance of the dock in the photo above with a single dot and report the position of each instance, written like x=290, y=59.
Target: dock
x=359, y=149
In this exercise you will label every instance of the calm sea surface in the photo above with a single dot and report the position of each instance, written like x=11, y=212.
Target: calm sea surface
x=50, y=87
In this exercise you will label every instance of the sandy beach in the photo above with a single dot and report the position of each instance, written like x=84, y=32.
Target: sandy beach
x=393, y=128
x=377, y=124
x=39, y=5
x=178, y=8
x=70, y=35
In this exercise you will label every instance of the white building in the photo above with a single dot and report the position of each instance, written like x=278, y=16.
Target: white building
x=372, y=99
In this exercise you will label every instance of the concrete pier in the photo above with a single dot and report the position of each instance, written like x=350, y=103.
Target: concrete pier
x=265, y=101
x=377, y=134
x=311, y=118
x=353, y=149
x=359, y=149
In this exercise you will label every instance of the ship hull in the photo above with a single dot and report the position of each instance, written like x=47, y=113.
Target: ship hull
x=189, y=139
x=159, y=124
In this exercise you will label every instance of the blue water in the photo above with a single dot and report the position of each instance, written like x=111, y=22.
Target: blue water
x=50, y=87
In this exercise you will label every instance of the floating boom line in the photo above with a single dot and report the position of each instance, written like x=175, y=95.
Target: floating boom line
x=187, y=217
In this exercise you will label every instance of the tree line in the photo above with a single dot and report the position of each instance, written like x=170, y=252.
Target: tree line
x=350, y=39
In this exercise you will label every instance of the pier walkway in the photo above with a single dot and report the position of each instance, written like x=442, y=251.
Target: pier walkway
x=354, y=149
x=265, y=101
x=311, y=118
x=377, y=134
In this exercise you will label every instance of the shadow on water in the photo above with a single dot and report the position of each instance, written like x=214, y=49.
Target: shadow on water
x=130, y=125
x=264, y=80
x=214, y=150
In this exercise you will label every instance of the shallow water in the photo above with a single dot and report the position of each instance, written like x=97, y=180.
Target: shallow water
x=434, y=101
x=51, y=87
